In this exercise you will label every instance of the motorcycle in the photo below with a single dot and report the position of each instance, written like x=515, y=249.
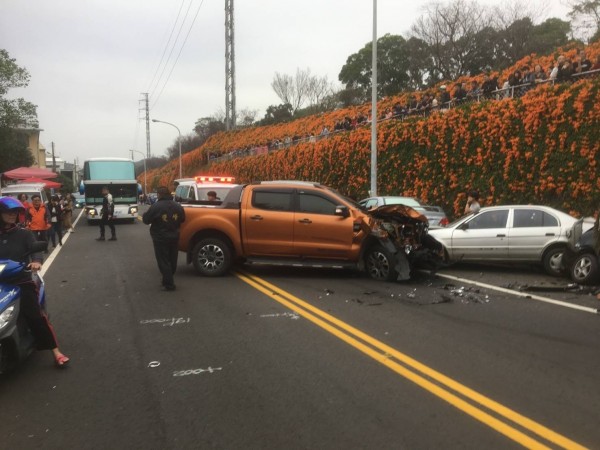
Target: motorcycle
x=16, y=341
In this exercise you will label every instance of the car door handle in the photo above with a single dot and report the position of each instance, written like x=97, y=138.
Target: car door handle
x=305, y=221
x=257, y=217
x=500, y=235
x=550, y=234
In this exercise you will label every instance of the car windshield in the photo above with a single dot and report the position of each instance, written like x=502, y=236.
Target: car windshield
x=407, y=201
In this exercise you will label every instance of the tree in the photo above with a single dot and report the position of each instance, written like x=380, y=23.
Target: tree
x=246, y=117
x=586, y=17
x=14, y=114
x=400, y=65
x=301, y=89
x=277, y=114
x=451, y=31
x=207, y=126
x=189, y=142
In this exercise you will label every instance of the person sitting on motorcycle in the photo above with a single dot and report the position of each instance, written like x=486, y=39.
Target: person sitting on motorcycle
x=15, y=243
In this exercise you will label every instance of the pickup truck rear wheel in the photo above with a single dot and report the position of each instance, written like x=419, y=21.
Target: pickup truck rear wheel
x=212, y=257
x=380, y=263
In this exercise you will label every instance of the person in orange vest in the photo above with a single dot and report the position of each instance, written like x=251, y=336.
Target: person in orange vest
x=38, y=217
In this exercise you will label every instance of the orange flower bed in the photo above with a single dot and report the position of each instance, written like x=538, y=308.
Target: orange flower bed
x=540, y=148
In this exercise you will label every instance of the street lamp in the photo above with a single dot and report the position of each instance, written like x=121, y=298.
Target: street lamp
x=145, y=170
x=179, y=140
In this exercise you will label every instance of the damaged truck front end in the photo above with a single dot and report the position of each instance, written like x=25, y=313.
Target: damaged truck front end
x=398, y=243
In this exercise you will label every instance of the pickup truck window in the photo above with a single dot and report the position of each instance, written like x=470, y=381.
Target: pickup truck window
x=315, y=204
x=272, y=200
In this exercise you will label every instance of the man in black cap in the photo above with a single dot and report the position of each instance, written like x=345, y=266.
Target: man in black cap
x=106, y=215
x=164, y=217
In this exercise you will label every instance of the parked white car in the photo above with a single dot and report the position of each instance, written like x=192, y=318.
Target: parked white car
x=511, y=233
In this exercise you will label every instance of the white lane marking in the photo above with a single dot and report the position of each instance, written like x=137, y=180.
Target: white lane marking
x=48, y=261
x=521, y=294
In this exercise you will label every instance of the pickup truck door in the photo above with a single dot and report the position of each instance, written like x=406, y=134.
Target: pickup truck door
x=318, y=232
x=268, y=222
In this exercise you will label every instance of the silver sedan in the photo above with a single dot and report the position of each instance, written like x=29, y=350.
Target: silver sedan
x=435, y=214
x=513, y=233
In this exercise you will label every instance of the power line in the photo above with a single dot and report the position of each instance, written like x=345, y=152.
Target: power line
x=179, y=54
x=172, y=48
x=166, y=46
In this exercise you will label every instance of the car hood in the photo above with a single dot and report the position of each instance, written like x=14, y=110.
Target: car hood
x=401, y=213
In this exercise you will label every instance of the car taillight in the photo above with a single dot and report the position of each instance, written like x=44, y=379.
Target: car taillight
x=444, y=222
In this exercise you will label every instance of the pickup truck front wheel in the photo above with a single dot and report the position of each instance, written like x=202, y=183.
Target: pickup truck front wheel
x=212, y=257
x=380, y=264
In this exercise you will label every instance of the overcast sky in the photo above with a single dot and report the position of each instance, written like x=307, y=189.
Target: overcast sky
x=90, y=60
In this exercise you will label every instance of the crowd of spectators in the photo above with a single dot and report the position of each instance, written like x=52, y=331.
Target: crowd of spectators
x=515, y=85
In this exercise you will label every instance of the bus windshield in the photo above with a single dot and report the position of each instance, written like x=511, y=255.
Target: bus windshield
x=109, y=170
x=121, y=193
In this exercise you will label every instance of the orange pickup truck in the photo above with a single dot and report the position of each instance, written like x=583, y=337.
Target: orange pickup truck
x=306, y=224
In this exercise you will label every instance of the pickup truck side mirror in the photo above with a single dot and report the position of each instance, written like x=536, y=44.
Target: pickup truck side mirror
x=463, y=226
x=343, y=211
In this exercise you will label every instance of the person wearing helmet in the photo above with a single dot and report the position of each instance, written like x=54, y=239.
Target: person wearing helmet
x=15, y=242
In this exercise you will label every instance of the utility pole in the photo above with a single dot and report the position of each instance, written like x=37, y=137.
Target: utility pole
x=230, y=119
x=147, y=109
x=53, y=159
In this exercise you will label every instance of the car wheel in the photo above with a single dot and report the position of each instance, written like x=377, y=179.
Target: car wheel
x=379, y=264
x=553, y=261
x=584, y=269
x=212, y=257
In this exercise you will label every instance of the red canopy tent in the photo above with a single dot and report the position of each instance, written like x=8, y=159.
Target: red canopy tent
x=29, y=172
x=48, y=184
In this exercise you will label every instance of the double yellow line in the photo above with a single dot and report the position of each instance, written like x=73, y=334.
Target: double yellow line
x=458, y=395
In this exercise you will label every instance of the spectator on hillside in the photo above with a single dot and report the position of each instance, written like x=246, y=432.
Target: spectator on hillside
x=444, y=97
x=506, y=91
x=489, y=85
x=515, y=79
x=423, y=103
x=475, y=91
x=559, y=62
x=459, y=94
x=398, y=110
x=565, y=71
x=412, y=104
x=582, y=64
x=538, y=74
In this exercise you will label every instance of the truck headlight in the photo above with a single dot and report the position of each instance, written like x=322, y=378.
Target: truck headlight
x=133, y=210
x=6, y=316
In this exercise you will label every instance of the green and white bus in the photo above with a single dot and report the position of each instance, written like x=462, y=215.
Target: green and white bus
x=118, y=175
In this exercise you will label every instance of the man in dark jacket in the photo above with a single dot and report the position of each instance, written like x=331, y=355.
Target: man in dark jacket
x=165, y=217
x=106, y=215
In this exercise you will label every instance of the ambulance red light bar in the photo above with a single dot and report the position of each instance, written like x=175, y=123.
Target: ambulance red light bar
x=214, y=179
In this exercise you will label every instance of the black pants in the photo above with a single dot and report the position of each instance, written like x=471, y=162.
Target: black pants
x=55, y=229
x=36, y=319
x=41, y=235
x=104, y=221
x=166, y=258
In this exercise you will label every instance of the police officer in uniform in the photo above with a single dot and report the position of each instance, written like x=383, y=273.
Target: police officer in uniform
x=106, y=215
x=164, y=217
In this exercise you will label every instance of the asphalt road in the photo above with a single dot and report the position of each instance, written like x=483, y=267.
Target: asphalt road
x=293, y=358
